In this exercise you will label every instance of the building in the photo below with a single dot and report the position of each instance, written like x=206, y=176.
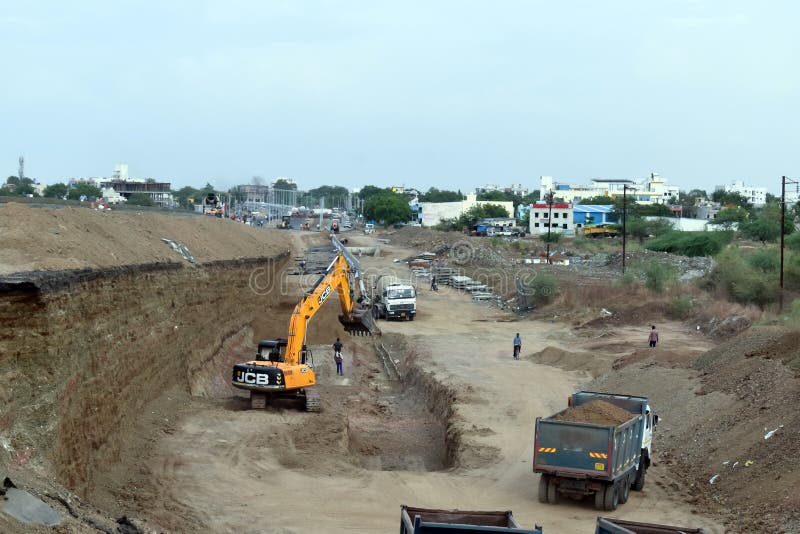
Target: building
x=652, y=190
x=757, y=196
x=253, y=193
x=585, y=215
x=433, y=213
x=556, y=217
x=515, y=189
x=159, y=192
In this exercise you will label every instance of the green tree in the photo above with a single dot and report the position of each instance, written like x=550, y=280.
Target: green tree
x=697, y=194
x=727, y=217
x=91, y=192
x=388, y=208
x=58, y=190
x=436, y=195
x=283, y=184
x=369, y=191
x=729, y=198
x=597, y=201
x=552, y=237
x=140, y=199
x=12, y=180
x=187, y=196
x=761, y=229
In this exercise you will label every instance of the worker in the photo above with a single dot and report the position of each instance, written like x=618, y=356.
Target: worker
x=337, y=356
x=653, y=338
x=434, y=285
x=517, y=346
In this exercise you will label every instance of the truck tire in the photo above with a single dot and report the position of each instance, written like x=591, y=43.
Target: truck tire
x=552, y=491
x=611, y=499
x=638, y=484
x=599, y=498
x=544, y=482
x=625, y=490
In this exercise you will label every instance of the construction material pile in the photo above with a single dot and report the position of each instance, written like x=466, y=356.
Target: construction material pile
x=597, y=412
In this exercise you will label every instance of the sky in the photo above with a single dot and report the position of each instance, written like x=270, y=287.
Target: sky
x=450, y=94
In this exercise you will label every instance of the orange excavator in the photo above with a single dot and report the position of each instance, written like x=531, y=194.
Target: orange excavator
x=284, y=368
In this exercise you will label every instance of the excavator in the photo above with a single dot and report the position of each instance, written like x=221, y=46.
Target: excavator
x=284, y=368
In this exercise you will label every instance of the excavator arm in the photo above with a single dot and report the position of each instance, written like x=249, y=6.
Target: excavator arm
x=341, y=276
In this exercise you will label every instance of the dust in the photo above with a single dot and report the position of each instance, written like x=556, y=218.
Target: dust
x=598, y=412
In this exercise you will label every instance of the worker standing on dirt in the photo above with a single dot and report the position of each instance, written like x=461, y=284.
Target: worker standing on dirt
x=434, y=286
x=517, y=346
x=337, y=356
x=653, y=339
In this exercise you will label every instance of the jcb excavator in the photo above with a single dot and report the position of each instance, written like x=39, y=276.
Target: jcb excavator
x=284, y=368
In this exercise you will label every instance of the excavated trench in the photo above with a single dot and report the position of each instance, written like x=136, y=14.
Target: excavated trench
x=411, y=430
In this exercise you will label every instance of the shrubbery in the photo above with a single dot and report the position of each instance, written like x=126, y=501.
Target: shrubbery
x=541, y=290
x=744, y=280
x=691, y=243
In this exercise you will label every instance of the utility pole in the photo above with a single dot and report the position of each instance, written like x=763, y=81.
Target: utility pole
x=784, y=181
x=549, y=221
x=21, y=169
x=625, y=188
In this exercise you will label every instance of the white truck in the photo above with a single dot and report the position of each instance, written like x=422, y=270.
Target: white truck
x=394, y=298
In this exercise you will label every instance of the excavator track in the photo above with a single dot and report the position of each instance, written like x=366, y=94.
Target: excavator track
x=258, y=401
x=312, y=399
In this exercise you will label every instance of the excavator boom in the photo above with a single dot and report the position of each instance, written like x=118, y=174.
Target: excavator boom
x=286, y=367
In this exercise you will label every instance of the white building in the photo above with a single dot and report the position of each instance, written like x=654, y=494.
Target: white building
x=433, y=213
x=651, y=190
x=559, y=217
x=757, y=196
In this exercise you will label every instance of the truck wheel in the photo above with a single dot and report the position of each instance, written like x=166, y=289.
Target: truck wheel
x=638, y=484
x=624, y=490
x=611, y=498
x=599, y=498
x=544, y=482
x=552, y=491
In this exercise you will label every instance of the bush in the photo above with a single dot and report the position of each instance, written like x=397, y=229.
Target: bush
x=681, y=307
x=765, y=260
x=743, y=283
x=552, y=237
x=691, y=243
x=541, y=290
x=792, y=242
x=656, y=276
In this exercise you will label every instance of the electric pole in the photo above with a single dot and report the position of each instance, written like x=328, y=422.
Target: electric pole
x=549, y=221
x=625, y=188
x=784, y=181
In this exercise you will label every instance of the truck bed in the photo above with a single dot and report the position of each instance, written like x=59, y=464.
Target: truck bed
x=607, y=525
x=415, y=520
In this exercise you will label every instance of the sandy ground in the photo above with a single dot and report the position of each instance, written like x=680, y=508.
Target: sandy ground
x=230, y=469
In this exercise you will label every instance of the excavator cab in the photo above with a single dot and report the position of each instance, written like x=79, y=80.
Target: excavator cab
x=271, y=350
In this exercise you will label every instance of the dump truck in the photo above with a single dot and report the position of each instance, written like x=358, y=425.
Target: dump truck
x=393, y=298
x=431, y=521
x=600, y=230
x=599, y=446
x=607, y=525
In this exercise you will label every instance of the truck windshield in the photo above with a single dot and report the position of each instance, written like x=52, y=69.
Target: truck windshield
x=400, y=293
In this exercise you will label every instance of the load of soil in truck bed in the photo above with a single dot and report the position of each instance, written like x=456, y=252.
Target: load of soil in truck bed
x=598, y=412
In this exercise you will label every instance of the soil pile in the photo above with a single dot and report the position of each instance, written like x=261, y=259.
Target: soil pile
x=79, y=238
x=597, y=412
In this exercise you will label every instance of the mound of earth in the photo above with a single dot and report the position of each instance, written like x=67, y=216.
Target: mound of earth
x=571, y=361
x=78, y=238
x=672, y=359
x=598, y=412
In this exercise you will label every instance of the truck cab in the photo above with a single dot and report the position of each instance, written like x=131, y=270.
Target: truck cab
x=394, y=299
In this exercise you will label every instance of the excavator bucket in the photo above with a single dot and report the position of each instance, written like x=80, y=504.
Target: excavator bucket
x=359, y=323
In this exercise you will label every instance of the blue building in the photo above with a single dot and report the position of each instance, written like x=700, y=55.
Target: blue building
x=589, y=214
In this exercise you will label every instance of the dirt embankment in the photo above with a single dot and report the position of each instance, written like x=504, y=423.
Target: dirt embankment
x=83, y=351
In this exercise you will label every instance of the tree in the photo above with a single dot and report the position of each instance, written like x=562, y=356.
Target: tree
x=497, y=196
x=369, y=191
x=140, y=199
x=12, y=180
x=389, y=208
x=651, y=210
x=55, y=190
x=436, y=195
x=697, y=193
x=280, y=183
x=597, y=201
x=730, y=198
x=78, y=190
x=551, y=237
x=727, y=217
x=187, y=196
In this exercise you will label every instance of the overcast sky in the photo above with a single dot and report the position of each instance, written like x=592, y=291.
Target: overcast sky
x=452, y=94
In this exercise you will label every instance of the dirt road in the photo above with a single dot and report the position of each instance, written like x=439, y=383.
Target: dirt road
x=228, y=469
